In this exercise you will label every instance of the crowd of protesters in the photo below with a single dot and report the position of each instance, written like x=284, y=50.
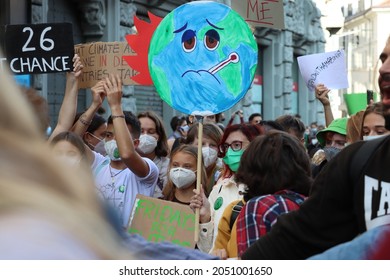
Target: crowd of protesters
x=270, y=189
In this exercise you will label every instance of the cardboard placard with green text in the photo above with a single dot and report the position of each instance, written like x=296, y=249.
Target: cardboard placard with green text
x=160, y=220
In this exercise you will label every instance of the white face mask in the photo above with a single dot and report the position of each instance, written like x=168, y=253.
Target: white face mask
x=69, y=161
x=372, y=137
x=209, y=156
x=112, y=150
x=182, y=177
x=147, y=143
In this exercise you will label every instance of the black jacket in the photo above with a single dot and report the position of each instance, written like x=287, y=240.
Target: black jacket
x=341, y=206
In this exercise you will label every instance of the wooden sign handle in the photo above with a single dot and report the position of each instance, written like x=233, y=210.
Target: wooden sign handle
x=198, y=173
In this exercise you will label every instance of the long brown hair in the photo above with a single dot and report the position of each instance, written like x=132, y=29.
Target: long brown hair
x=169, y=189
x=162, y=149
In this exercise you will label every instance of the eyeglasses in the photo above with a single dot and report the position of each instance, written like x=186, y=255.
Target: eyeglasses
x=235, y=146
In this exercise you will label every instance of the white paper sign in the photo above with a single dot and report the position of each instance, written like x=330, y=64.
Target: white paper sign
x=262, y=13
x=324, y=68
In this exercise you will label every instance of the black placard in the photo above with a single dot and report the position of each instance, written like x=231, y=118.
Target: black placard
x=38, y=48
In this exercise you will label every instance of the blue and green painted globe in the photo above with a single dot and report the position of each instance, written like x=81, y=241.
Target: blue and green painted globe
x=202, y=58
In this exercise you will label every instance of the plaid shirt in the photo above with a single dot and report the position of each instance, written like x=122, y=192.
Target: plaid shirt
x=259, y=214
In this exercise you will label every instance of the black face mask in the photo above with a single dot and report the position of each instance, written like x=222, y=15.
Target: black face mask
x=331, y=152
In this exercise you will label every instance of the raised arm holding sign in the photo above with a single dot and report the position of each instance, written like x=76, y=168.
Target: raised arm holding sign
x=202, y=60
x=324, y=68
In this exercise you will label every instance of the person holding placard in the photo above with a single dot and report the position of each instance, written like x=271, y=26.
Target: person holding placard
x=96, y=131
x=182, y=175
x=182, y=179
x=69, y=103
x=124, y=173
x=233, y=143
x=346, y=212
x=275, y=169
x=212, y=135
x=321, y=92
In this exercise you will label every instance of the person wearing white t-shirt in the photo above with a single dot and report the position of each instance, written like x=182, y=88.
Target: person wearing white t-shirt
x=123, y=173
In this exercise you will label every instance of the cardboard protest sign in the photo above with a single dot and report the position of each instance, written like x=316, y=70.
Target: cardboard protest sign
x=261, y=13
x=100, y=59
x=324, y=68
x=204, y=72
x=38, y=48
x=160, y=220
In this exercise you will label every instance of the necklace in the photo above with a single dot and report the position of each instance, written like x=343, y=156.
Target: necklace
x=122, y=187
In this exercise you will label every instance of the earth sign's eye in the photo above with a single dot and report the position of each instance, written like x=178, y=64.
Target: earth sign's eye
x=211, y=40
x=188, y=40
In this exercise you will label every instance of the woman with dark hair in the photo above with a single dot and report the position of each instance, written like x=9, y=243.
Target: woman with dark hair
x=212, y=134
x=235, y=140
x=96, y=131
x=153, y=145
x=277, y=173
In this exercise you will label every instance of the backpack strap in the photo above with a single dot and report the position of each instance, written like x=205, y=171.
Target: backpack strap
x=362, y=156
x=235, y=211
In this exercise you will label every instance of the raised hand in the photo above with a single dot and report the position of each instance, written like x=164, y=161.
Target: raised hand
x=77, y=66
x=322, y=94
x=98, y=93
x=113, y=89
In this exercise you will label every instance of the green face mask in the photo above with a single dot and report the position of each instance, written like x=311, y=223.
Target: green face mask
x=232, y=159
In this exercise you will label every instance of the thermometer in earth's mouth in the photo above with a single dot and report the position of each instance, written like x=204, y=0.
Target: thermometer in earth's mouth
x=233, y=58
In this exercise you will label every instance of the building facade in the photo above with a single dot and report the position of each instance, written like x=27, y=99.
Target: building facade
x=278, y=87
x=364, y=35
